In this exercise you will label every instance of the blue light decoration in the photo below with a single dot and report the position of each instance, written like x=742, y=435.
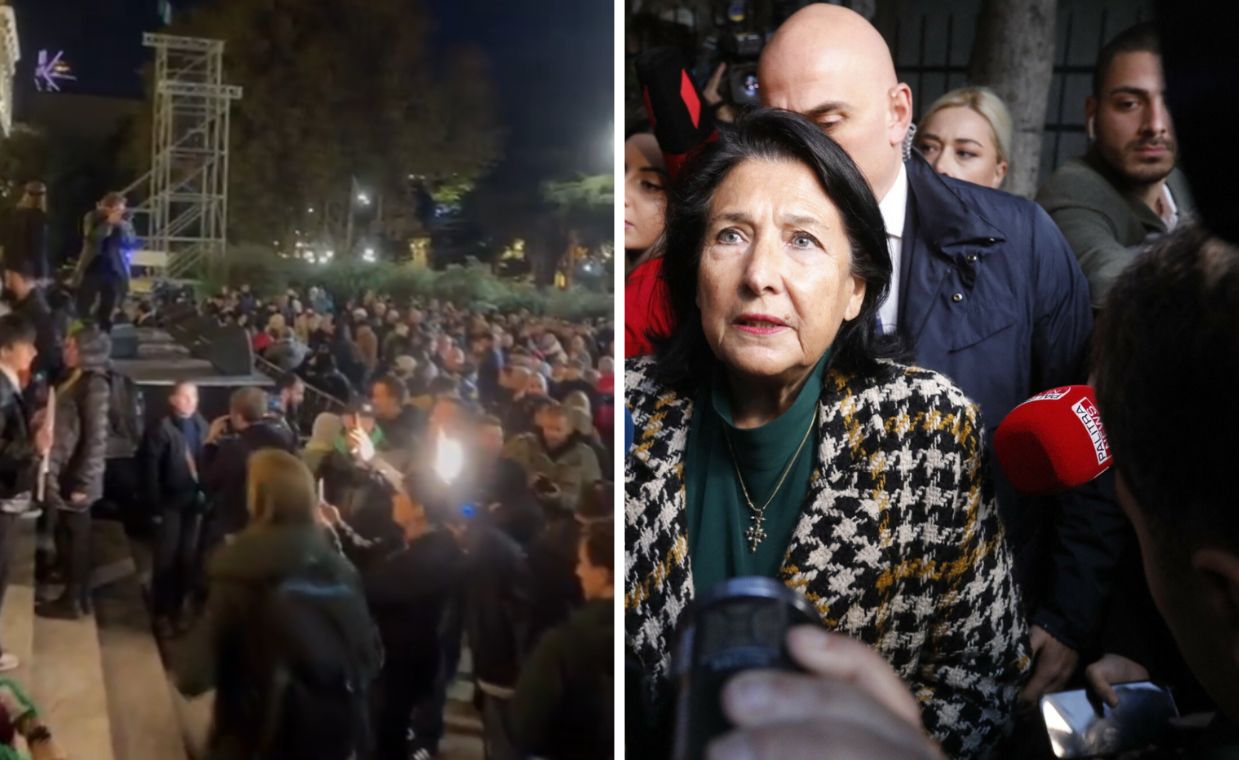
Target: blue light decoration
x=49, y=71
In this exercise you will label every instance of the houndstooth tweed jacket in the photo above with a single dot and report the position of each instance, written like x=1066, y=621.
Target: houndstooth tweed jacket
x=898, y=544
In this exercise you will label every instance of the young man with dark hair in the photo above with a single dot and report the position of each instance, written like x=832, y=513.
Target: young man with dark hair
x=409, y=579
x=398, y=420
x=27, y=300
x=1169, y=333
x=1126, y=188
x=21, y=444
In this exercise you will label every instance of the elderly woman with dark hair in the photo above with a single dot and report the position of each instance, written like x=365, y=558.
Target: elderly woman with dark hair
x=774, y=440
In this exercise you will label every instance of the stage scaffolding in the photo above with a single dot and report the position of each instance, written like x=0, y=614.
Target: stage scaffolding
x=183, y=218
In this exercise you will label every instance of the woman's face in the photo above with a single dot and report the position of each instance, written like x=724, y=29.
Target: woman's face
x=645, y=196
x=959, y=143
x=775, y=280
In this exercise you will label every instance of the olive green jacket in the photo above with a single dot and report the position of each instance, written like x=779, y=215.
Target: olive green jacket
x=220, y=652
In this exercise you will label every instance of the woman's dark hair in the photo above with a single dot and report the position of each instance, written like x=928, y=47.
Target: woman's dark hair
x=684, y=357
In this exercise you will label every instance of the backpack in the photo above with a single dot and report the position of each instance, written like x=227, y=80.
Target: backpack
x=126, y=413
x=317, y=699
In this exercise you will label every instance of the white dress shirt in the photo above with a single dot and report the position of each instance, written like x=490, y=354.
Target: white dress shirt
x=894, y=208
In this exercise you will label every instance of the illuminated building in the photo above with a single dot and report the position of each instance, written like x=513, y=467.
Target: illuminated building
x=10, y=53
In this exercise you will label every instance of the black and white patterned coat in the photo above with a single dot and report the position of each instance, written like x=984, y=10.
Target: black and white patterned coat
x=898, y=544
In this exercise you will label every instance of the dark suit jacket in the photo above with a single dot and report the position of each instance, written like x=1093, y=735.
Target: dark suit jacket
x=992, y=296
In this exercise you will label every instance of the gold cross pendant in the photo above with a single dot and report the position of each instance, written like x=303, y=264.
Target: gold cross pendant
x=756, y=533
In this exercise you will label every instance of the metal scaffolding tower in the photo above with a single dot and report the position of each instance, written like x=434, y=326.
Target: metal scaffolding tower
x=184, y=217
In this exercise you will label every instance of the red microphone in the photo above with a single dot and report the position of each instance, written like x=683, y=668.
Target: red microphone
x=1053, y=442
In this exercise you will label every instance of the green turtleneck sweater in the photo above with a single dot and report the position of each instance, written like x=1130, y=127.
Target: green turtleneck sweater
x=718, y=517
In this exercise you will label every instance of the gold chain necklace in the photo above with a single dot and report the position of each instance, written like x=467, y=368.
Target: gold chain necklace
x=756, y=532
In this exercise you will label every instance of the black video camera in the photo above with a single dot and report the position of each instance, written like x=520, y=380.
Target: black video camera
x=739, y=624
x=740, y=51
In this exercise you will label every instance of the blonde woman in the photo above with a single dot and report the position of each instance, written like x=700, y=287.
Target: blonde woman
x=286, y=639
x=966, y=134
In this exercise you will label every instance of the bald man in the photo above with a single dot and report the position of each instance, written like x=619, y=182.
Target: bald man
x=985, y=290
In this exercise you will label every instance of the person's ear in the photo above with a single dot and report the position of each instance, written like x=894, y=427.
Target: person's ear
x=1000, y=173
x=856, y=299
x=1090, y=117
x=1217, y=571
x=900, y=117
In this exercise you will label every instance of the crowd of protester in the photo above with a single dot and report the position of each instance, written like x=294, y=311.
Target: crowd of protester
x=782, y=284
x=418, y=478
x=448, y=467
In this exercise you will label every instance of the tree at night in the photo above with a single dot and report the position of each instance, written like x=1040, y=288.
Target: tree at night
x=337, y=91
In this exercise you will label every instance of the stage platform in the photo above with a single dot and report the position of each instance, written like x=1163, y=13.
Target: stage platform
x=162, y=361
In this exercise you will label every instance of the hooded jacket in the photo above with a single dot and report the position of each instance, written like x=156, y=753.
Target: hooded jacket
x=80, y=438
x=563, y=704
x=223, y=651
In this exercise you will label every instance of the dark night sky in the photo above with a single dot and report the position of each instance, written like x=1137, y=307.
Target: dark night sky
x=552, y=62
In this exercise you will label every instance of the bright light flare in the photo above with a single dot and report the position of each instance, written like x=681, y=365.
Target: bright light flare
x=449, y=458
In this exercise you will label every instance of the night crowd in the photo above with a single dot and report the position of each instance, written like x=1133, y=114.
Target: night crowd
x=829, y=311
x=421, y=485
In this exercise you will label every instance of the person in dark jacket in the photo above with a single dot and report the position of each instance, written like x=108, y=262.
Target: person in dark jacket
x=553, y=554
x=102, y=273
x=496, y=591
x=25, y=234
x=985, y=290
x=398, y=420
x=562, y=708
x=408, y=583
x=326, y=377
x=27, y=299
x=501, y=485
x=171, y=458
x=21, y=445
x=286, y=402
x=230, y=441
x=489, y=361
x=228, y=649
x=77, y=462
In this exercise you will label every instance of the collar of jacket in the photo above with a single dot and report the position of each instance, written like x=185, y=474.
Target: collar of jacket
x=659, y=582
x=943, y=217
